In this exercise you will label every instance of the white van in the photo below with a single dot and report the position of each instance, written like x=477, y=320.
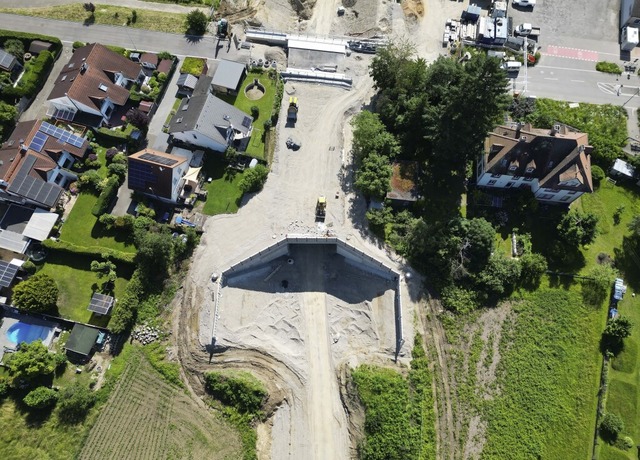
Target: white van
x=512, y=66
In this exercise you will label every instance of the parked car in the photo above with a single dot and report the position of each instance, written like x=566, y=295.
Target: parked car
x=530, y=3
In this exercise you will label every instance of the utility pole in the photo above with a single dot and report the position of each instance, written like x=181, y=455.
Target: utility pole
x=526, y=59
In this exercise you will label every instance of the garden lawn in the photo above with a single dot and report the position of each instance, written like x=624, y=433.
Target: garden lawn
x=223, y=193
x=72, y=273
x=83, y=229
x=548, y=378
x=108, y=15
x=264, y=104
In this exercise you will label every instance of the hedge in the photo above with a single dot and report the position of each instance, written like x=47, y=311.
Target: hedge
x=95, y=252
x=27, y=38
x=126, y=308
x=106, y=196
x=35, y=74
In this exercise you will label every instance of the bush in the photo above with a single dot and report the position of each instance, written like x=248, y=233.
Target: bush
x=74, y=403
x=106, y=196
x=611, y=426
x=597, y=174
x=90, y=180
x=255, y=112
x=14, y=47
x=608, y=67
x=4, y=387
x=77, y=45
x=37, y=294
x=41, y=398
x=242, y=391
x=35, y=73
x=254, y=179
x=110, y=154
x=29, y=267
x=124, y=313
x=117, y=169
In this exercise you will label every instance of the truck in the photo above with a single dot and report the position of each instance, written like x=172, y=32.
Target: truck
x=527, y=30
x=321, y=209
x=292, y=110
x=629, y=38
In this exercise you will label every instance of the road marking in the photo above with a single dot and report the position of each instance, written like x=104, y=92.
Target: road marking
x=572, y=53
x=565, y=68
x=547, y=78
x=577, y=81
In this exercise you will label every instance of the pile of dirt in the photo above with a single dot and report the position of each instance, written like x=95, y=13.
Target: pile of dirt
x=413, y=9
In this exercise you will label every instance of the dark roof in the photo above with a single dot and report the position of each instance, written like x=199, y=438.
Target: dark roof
x=37, y=46
x=100, y=303
x=228, y=74
x=82, y=339
x=164, y=66
x=7, y=61
x=559, y=158
x=10, y=149
x=7, y=273
x=208, y=114
x=90, y=75
x=150, y=58
x=152, y=170
x=28, y=183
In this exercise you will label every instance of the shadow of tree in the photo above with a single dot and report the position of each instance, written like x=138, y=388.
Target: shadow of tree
x=89, y=20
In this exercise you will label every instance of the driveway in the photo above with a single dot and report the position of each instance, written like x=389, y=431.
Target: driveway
x=38, y=109
x=164, y=109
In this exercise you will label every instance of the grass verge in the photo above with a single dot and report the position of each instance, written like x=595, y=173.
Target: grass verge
x=108, y=15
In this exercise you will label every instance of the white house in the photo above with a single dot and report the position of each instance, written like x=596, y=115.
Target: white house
x=92, y=85
x=555, y=164
x=204, y=121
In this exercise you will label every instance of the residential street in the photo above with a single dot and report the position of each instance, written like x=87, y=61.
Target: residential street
x=121, y=36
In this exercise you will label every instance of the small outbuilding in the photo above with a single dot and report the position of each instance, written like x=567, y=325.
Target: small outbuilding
x=228, y=77
x=81, y=341
x=622, y=169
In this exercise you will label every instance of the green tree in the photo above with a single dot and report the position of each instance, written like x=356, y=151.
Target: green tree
x=31, y=361
x=374, y=175
x=254, y=179
x=596, y=286
x=104, y=269
x=8, y=114
x=41, y=398
x=578, y=228
x=533, y=266
x=14, y=47
x=597, y=174
x=155, y=253
x=611, y=426
x=499, y=276
x=37, y=294
x=74, y=402
x=371, y=137
x=618, y=328
x=196, y=22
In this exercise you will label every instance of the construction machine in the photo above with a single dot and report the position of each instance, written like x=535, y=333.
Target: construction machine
x=292, y=110
x=321, y=209
x=222, y=29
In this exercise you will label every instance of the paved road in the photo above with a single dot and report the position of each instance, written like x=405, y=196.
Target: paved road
x=122, y=36
x=137, y=4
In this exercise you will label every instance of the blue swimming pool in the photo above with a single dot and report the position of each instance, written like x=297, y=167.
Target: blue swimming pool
x=24, y=332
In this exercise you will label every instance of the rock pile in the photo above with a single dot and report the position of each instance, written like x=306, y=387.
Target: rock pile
x=145, y=334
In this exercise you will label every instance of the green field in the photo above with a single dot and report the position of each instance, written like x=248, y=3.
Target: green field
x=548, y=379
x=82, y=228
x=108, y=15
x=77, y=283
x=223, y=193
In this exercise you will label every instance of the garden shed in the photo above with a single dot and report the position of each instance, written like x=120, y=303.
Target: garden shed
x=81, y=341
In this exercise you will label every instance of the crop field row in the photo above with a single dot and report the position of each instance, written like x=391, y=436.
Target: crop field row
x=147, y=418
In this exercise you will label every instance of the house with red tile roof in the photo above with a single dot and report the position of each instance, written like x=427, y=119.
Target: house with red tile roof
x=555, y=164
x=92, y=86
x=35, y=162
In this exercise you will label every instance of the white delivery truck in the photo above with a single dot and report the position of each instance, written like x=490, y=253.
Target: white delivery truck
x=629, y=38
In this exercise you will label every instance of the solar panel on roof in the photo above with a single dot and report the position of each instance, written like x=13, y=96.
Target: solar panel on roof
x=62, y=135
x=38, y=141
x=100, y=303
x=158, y=159
x=7, y=273
x=246, y=122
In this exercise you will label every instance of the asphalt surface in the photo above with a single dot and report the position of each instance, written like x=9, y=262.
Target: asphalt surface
x=182, y=45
